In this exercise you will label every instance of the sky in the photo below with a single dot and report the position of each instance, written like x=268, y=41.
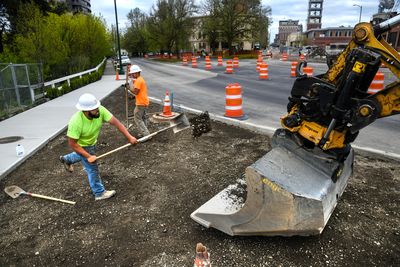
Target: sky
x=335, y=12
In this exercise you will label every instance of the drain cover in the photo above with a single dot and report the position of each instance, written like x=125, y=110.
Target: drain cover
x=10, y=139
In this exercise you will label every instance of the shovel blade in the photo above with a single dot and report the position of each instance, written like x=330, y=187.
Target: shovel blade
x=14, y=191
x=181, y=123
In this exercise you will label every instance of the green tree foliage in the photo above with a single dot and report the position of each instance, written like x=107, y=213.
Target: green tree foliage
x=235, y=20
x=135, y=39
x=170, y=24
x=64, y=44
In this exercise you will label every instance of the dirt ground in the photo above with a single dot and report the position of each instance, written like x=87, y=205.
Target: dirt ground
x=159, y=184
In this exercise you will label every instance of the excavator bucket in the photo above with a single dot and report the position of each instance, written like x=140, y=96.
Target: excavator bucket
x=290, y=191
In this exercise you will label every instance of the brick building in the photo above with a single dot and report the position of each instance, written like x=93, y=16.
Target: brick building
x=326, y=36
x=286, y=27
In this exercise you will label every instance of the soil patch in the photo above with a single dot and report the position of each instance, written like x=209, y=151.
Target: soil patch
x=159, y=183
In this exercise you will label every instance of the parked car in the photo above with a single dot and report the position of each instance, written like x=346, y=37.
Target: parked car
x=124, y=61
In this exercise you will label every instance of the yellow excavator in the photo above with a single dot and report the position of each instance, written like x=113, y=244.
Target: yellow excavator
x=294, y=188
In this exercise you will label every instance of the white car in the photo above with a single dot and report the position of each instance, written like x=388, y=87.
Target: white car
x=124, y=61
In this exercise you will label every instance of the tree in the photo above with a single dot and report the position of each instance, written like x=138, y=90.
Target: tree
x=170, y=24
x=135, y=39
x=236, y=20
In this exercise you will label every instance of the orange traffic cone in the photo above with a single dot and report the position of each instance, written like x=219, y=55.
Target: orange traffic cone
x=377, y=84
x=167, y=107
x=117, y=75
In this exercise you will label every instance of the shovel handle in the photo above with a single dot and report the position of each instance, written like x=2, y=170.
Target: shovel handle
x=50, y=198
x=141, y=140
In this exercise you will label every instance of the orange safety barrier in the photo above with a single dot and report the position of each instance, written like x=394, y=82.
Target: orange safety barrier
x=208, y=63
x=377, y=83
x=167, y=107
x=302, y=57
x=117, y=75
x=309, y=71
x=263, y=71
x=229, y=67
x=293, y=69
x=233, y=101
x=236, y=62
x=220, y=61
x=259, y=61
x=194, y=62
x=184, y=61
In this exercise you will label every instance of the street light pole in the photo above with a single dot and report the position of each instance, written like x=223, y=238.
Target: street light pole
x=121, y=70
x=360, y=6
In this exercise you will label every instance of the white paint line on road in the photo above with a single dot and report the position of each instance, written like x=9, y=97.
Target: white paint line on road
x=270, y=130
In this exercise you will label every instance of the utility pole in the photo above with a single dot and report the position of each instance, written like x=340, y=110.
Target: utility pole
x=121, y=70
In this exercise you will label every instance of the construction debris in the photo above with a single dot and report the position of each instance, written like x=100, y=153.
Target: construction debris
x=200, y=124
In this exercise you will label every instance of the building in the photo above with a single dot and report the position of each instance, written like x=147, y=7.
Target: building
x=327, y=36
x=286, y=27
x=78, y=6
x=314, y=14
x=393, y=36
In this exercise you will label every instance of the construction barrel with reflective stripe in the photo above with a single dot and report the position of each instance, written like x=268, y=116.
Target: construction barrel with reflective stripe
x=259, y=61
x=208, y=63
x=284, y=57
x=219, y=61
x=377, y=83
x=263, y=71
x=229, y=67
x=309, y=71
x=194, y=62
x=293, y=69
x=184, y=61
x=236, y=62
x=302, y=57
x=233, y=101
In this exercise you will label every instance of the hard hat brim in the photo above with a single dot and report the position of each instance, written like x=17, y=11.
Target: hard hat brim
x=78, y=106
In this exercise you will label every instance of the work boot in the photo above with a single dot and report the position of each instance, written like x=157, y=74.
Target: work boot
x=67, y=166
x=202, y=256
x=106, y=194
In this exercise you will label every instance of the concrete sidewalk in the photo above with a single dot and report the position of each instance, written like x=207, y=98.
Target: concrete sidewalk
x=41, y=124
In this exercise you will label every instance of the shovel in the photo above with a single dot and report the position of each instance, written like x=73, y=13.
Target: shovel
x=177, y=124
x=14, y=192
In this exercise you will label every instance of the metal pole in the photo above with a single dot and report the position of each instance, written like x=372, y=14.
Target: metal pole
x=121, y=71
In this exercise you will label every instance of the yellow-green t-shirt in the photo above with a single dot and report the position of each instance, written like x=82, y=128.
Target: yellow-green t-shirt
x=86, y=131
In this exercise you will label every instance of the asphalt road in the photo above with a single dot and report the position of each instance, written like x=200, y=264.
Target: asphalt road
x=264, y=101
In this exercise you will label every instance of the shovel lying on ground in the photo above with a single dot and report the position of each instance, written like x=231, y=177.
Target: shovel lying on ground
x=177, y=124
x=14, y=192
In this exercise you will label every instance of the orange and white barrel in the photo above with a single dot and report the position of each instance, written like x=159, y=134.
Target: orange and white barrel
x=302, y=57
x=284, y=57
x=219, y=61
x=263, y=71
x=229, y=67
x=194, y=62
x=208, y=63
x=293, y=69
x=184, y=61
x=377, y=83
x=236, y=62
x=309, y=71
x=259, y=61
x=233, y=101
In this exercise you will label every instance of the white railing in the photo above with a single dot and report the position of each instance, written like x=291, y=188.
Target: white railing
x=68, y=78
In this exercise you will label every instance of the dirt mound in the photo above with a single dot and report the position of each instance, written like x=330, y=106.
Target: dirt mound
x=159, y=183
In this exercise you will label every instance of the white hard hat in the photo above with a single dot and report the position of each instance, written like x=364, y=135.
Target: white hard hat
x=134, y=69
x=87, y=102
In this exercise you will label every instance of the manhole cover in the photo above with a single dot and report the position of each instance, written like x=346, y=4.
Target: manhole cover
x=10, y=139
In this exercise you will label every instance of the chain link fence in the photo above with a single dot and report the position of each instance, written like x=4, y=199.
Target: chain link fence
x=20, y=86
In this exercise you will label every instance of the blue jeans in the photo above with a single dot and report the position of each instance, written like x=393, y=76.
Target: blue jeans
x=91, y=169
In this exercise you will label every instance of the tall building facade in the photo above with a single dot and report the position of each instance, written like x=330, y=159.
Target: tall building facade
x=314, y=17
x=286, y=27
x=77, y=6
